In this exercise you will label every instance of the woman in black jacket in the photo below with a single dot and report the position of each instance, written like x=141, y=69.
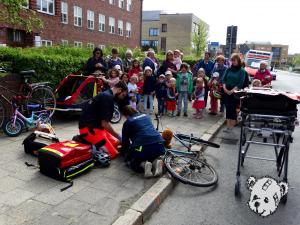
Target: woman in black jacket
x=96, y=62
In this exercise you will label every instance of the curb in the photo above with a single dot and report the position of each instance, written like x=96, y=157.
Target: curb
x=149, y=202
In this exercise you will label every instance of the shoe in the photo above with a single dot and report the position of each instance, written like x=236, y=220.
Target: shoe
x=178, y=114
x=147, y=169
x=212, y=113
x=185, y=114
x=199, y=117
x=158, y=167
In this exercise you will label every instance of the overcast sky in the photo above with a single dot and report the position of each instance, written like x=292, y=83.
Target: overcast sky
x=277, y=21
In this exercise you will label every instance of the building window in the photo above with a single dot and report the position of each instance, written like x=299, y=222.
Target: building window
x=128, y=29
x=121, y=4
x=129, y=5
x=90, y=19
x=90, y=45
x=16, y=35
x=78, y=44
x=153, y=32
x=164, y=27
x=120, y=27
x=146, y=44
x=77, y=16
x=64, y=42
x=111, y=25
x=46, y=6
x=112, y=2
x=64, y=12
x=46, y=43
x=101, y=22
x=101, y=46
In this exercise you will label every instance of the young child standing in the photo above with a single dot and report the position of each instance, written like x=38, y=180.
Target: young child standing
x=161, y=93
x=113, y=79
x=133, y=91
x=201, y=74
x=148, y=89
x=135, y=69
x=168, y=75
x=214, y=88
x=199, y=103
x=171, y=97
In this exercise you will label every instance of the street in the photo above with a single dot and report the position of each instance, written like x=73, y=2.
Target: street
x=189, y=205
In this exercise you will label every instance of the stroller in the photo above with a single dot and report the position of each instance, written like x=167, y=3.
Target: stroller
x=268, y=118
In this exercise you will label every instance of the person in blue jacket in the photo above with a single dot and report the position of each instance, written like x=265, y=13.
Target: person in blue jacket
x=115, y=60
x=206, y=64
x=151, y=62
x=96, y=62
x=142, y=144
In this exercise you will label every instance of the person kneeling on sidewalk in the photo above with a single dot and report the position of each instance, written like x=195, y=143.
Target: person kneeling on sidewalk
x=142, y=145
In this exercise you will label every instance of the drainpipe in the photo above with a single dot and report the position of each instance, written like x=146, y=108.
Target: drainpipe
x=141, y=24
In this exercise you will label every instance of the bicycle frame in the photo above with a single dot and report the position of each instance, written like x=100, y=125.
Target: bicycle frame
x=26, y=121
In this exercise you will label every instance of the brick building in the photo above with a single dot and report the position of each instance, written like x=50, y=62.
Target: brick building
x=80, y=23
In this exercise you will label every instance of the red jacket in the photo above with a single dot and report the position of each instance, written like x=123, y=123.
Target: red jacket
x=265, y=77
x=135, y=70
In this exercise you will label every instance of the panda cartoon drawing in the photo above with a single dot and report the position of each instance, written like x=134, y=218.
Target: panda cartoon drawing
x=265, y=195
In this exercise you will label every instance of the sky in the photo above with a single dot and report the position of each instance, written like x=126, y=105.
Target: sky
x=276, y=21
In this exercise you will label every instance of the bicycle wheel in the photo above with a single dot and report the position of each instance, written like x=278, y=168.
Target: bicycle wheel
x=12, y=130
x=190, y=170
x=2, y=113
x=43, y=97
x=116, y=116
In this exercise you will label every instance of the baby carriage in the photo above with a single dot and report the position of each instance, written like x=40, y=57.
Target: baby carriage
x=268, y=118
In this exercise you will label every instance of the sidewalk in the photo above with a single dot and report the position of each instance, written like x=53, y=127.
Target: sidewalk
x=98, y=197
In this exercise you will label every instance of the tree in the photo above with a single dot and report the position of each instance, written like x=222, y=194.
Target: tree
x=199, y=38
x=17, y=14
x=296, y=61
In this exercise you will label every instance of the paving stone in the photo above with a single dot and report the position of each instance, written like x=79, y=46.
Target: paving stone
x=3, y=207
x=49, y=219
x=70, y=208
x=78, y=185
x=15, y=197
x=106, y=207
x=90, y=195
x=53, y=196
x=106, y=184
x=3, y=173
x=7, y=220
x=28, y=210
x=9, y=183
x=92, y=176
x=90, y=218
x=40, y=184
x=123, y=193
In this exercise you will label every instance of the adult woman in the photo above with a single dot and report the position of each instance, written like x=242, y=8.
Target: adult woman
x=151, y=61
x=264, y=75
x=233, y=80
x=141, y=143
x=168, y=64
x=96, y=62
x=127, y=62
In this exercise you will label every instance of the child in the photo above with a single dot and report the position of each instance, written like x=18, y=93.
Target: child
x=135, y=69
x=171, y=97
x=161, y=93
x=256, y=83
x=140, y=86
x=201, y=74
x=124, y=78
x=148, y=89
x=199, y=103
x=177, y=59
x=168, y=75
x=184, y=85
x=115, y=60
x=132, y=91
x=214, y=88
x=113, y=79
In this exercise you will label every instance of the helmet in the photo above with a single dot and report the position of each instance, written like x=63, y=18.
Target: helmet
x=101, y=157
x=217, y=94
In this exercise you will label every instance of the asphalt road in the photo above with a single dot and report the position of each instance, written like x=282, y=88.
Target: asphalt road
x=189, y=205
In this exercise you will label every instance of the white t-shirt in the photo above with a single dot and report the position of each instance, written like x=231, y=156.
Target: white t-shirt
x=132, y=87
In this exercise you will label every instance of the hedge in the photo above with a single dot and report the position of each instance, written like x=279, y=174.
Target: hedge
x=53, y=64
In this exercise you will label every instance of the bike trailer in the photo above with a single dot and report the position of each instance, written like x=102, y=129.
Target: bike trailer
x=64, y=160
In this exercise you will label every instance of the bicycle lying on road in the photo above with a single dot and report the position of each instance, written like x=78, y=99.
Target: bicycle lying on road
x=189, y=166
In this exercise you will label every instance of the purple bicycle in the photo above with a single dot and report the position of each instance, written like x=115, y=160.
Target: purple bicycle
x=18, y=122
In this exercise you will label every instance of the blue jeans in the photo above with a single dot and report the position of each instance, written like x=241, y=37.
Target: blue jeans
x=150, y=97
x=161, y=105
x=183, y=96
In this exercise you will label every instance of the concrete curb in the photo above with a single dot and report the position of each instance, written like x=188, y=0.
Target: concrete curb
x=149, y=202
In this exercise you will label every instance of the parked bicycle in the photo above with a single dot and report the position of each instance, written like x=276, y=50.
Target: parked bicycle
x=18, y=122
x=35, y=95
x=190, y=167
x=117, y=116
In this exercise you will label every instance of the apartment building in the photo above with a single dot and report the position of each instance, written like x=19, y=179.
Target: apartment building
x=80, y=23
x=163, y=31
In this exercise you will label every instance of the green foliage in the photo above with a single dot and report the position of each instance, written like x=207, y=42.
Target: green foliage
x=296, y=61
x=15, y=13
x=199, y=38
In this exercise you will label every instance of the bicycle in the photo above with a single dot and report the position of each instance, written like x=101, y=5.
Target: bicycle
x=117, y=116
x=190, y=167
x=14, y=126
x=39, y=95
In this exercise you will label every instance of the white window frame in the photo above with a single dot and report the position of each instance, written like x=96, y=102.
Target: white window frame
x=121, y=4
x=120, y=27
x=64, y=12
x=101, y=46
x=90, y=45
x=46, y=43
x=112, y=2
x=129, y=5
x=101, y=22
x=128, y=29
x=47, y=2
x=64, y=42
x=78, y=44
x=90, y=20
x=77, y=16
x=112, y=25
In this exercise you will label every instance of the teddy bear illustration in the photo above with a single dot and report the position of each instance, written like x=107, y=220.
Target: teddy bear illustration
x=265, y=195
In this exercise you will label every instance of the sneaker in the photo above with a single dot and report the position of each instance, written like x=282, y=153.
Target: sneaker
x=158, y=167
x=147, y=169
x=178, y=114
x=185, y=114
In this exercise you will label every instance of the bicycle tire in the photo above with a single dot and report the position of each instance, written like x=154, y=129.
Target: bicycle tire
x=11, y=131
x=196, y=166
x=2, y=113
x=116, y=116
x=44, y=96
